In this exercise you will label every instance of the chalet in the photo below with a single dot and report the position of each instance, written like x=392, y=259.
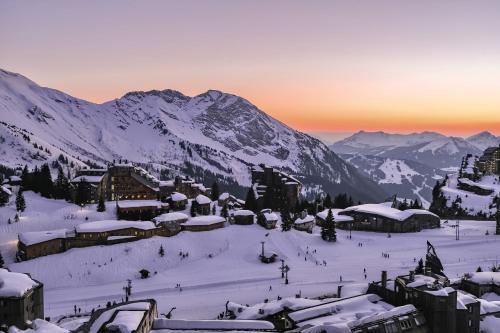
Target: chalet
x=231, y=201
x=35, y=244
x=134, y=316
x=170, y=222
x=92, y=186
x=204, y=223
x=103, y=232
x=140, y=209
x=5, y=194
x=21, y=299
x=223, y=199
x=274, y=189
x=383, y=218
x=189, y=187
x=480, y=283
x=203, y=204
x=267, y=219
x=128, y=182
x=304, y=222
x=243, y=217
x=178, y=201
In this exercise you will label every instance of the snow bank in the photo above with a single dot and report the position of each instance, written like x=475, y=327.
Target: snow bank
x=108, y=225
x=40, y=326
x=14, y=284
x=35, y=237
x=181, y=324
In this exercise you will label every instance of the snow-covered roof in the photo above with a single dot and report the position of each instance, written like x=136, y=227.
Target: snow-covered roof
x=176, y=196
x=307, y=219
x=338, y=218
x=202, y=200
x=88, y=179
x=5, y=189
x=186, y=324
x=486, y=278
x=395, y=312
x=139, y=203
x=204, y=220
x=13, y=284
x=389, y=212
x=469, y=182
x=168, y=183
x=168, y=217
x=199, y=186
x=243, y=312
x=421, y=280
x=126, y=321
x=40, y=326
x=109, y=225
x=15, y=178
x=243, y=212
x=106, y=315
x=271, y=217
x=35, y=237
x=224, y=196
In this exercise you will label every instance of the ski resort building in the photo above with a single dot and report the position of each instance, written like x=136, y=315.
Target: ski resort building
x=21, y=299
x=304, y=222
x=92, y=182
x=36, y=244
x=383, y=218
x=204, y=223
x=140, y=209
x=267, y=219
x=274, y=189
x=230, y=200
x=489, y=162
x=178, y=201
x=341, y=221
x=128, y=182
x=480, y=283
x=203, y=204
x=446, y=309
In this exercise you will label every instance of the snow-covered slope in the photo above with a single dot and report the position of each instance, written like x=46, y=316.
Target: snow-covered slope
x=402, y=177
x=213, y=132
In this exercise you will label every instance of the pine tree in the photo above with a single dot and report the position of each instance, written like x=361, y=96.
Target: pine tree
x=194, y=206
x=161, y=252
x=16, y=218
x=61, y=185
x=215, y=191
x=479, y=269
x=286, y=219
x=20, y=202
x=101, y=206
x=328, y=232
x=213, y=209
x=2, y=262
x=45, y=182
x=251, y=201
x=82, y=196
x=328, y=201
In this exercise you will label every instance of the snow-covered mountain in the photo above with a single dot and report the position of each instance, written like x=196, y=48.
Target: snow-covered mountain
x=214, y=134
x=484, y=140
x=409, y=163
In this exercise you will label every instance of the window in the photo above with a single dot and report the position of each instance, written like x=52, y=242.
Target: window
x=390, y=327
x=405, y=324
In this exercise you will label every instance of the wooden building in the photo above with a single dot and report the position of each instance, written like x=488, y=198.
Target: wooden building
x=243, y=217
x=140, y=209
x=128, y=182
x=178, y=201
x=480, y=283
x=304, y=222
x=203, y=223
x=267, y=219
x=21, y=299
x=35, y=244
x=203, y=204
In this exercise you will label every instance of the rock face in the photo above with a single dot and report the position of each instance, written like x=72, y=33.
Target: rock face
x=214, y=134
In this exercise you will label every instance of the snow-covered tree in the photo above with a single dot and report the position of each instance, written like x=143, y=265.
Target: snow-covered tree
x=101, y=206
x=161, y=252
x=224, y=212
x=251, y=201
x=20, y=202
x=286, y=219
x=215, y=191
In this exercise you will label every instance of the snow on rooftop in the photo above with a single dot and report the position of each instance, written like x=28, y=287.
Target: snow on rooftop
x=307, y=219
x=106, y=315
x=252, y=312
x=139, y=203
x=109, y=225
x=126, y=321
x=338, y=218
x=35, y=237
x=204, y=220
x=88, y=179
x=421, y=280
x=271, y=216
x=389, y=212
x=15, y=178
x=13, y=284
x=486, y=278
x=395, y=312
x=169, y=183
x=472, y=183
x=39, y=326
x=224, y=196
x=202, y=200
x=176, y=196
x=243, y=212
x=185, y=324
x=173, y=216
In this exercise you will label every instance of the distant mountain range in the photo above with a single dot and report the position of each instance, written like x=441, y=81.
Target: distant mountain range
x=409, y=164
x=210, y=136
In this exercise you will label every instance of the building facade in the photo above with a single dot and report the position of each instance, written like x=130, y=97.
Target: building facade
x=489, y=162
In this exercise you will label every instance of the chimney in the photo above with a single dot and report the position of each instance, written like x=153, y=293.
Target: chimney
x=339, y=291
x=384, y=279
x=412, y=276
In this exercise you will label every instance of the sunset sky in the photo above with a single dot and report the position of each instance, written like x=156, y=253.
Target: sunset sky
x=329, y=66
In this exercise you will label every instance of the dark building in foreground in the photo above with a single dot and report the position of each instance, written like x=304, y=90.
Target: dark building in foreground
x=274, y=189
x=21, y=299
